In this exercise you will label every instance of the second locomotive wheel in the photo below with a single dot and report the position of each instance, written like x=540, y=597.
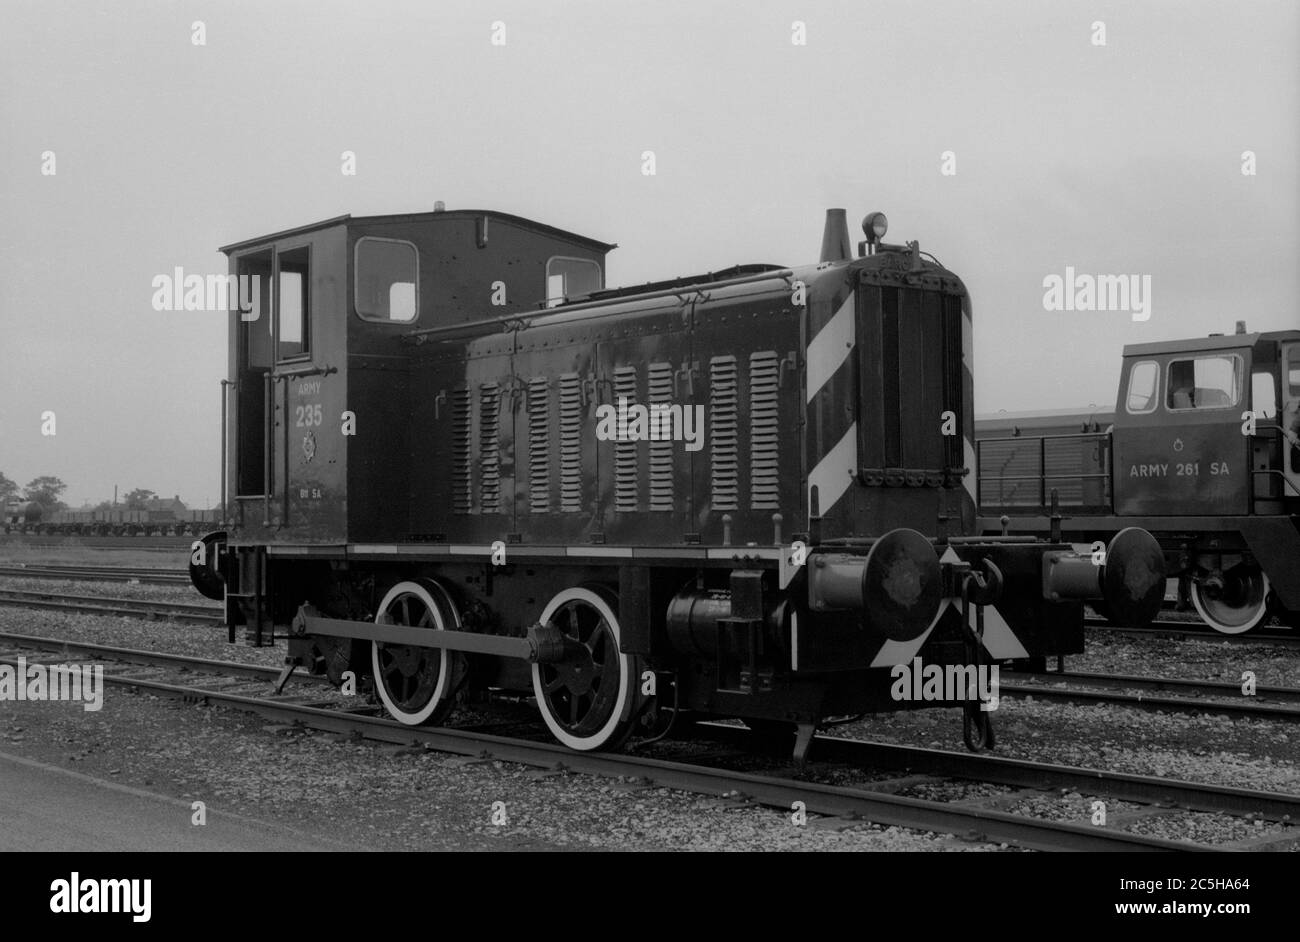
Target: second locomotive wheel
x=1238, y=606
x=585, y=699
x=417, y=685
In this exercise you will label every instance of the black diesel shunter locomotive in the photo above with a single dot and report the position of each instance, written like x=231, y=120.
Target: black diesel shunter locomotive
x=456, y=461
x=1202, y=450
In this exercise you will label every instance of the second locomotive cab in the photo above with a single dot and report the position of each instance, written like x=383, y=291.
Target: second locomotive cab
x=455, y=461
x=1202, y=450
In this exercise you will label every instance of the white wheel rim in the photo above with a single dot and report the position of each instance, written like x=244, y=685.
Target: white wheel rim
x=1260, y=611
x=604, y=734
x=435, y=610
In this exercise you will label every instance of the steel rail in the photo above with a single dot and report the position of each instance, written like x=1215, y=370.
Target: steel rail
x=149, y=658
x=1195, y=631
x=1222, y=688
x=1025, y=773
x=135, y=608
x=97, y=574
x=1242, y=709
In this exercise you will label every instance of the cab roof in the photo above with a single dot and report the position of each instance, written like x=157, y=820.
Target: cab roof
x=1201, y=344
x=349, y=219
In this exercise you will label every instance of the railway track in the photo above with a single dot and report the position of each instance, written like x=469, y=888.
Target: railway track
x=1198, y=632
x=97, y=605
x=1041, y=776
x=160, y=543
x=246, y=688
x=1199, y=696
x=99, y=574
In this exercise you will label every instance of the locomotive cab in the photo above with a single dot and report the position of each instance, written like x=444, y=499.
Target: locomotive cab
x=1209, y=426
x=1203, y=452
x=318, y=344
x=1208, y=431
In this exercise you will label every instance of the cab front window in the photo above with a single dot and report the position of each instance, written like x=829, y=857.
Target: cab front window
x=1143, y=388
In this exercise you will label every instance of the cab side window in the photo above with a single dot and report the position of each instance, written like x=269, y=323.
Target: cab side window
x=1209, y=382
x=386, y=280
x=568, y=278
x=1143, y=388
x=293, y=305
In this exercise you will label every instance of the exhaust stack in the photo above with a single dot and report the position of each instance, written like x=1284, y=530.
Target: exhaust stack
x=835, y=237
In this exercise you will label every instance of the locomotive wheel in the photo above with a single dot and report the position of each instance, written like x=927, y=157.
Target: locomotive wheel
x=417, y=685
x=1239, y=607
x=585, y=698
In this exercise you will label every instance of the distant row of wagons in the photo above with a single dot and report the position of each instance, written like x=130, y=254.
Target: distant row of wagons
x=29, y=518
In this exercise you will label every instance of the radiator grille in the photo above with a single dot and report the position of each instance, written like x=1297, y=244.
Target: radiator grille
x=625, y=470
x=764, y=368
x=489, y=430
x=460, y=452
x=539, y=451
x=570, y=443
x=722, y=421
x=661, y=452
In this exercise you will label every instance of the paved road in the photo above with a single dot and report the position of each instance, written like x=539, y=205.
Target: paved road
x=47, y=808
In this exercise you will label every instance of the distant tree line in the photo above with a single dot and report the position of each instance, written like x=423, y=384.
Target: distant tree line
x=47, y=490
x=44, y=490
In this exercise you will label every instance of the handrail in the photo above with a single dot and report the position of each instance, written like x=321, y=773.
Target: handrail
x=225, y=435
x=307, y=370
x=1057, y=437
x=524, y=319
x=1042, y=475
x=268, y=415
x=1266, y=471
x=1284, y=439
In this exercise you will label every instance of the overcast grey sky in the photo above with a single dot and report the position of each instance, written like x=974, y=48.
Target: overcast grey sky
x=1117, y=159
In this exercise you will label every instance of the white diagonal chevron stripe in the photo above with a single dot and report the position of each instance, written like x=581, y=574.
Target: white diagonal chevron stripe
x=999, y=640
x=830, y=347
x=967, y=356
x=968, y=482
x=901, y=652
x=834, y=473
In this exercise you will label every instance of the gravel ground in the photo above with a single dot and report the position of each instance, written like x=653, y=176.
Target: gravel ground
x=1273, y=664
x=1207, y=828
x=138, y=633
x=371, y=796
x=1070, y=806
x=16, y=554
x=1210, y=748
x=1259, y=754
